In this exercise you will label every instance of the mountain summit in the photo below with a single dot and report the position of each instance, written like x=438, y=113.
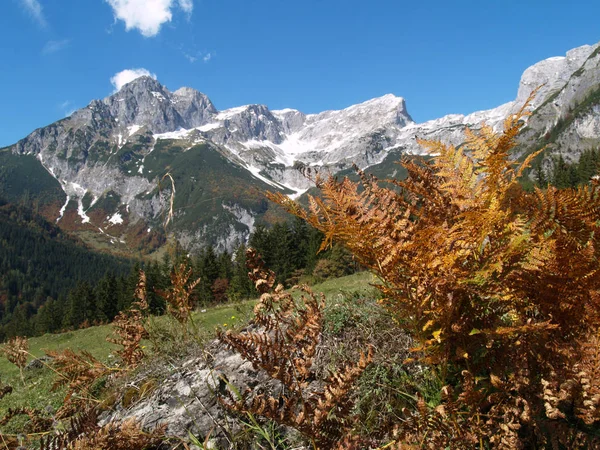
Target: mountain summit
x=101, y=166
x=144, y=102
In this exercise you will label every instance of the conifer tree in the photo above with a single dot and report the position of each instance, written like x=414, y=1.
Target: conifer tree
x=587, y=165
x=106, y=298
x=280, y=262
x=225, y=265
x=261, y=242
x=47, y=317
x=241, y=286
x=156, y=280
x=80, y=306
x=207, y=270
x=540, y=177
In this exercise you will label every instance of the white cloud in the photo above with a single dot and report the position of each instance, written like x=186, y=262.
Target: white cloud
x=34, y=8
x=67, y=108
x=187, y=5
x=193, y=56
x=55, y=46
x=190, y=58
x=147, y=15
x=125, y=76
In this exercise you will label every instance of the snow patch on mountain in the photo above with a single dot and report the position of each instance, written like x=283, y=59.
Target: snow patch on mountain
x=131, y=130
x=61, y=213
x=158, y=96
x=179, y=134
x=209, y=126
x=255, y=171
x=84, y=217
x=116, y=219
x=229, y=113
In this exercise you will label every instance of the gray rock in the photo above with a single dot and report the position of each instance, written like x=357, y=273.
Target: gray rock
x=186, y=399
x=38, y=363
x=145, y=102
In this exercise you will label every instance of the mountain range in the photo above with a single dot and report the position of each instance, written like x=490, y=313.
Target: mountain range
x=101, y=171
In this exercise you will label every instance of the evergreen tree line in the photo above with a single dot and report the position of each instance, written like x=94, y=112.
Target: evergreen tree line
x=37, y=262
x=569, y=175
x=289, y=249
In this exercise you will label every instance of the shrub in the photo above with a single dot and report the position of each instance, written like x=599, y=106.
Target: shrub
x=219, y=290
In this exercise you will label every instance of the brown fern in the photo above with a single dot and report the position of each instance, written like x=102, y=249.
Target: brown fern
x=85, y=434
x=284, y=345
x=16, y=351
x=77, y=371
x=5, y=390
x=129, y=328
x=37, y=421
x=179, y=297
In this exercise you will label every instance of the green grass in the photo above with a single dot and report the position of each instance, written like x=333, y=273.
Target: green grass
x=37, y=392
x=358, y=282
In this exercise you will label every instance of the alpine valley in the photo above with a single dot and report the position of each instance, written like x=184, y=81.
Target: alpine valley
x=98, y=172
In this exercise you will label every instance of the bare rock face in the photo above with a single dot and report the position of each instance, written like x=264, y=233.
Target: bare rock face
x=194, y=107
x=552, y=74
x=145, y=102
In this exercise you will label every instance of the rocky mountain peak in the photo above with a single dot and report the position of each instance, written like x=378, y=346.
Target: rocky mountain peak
x=553, y=73
x=388, y=107
x=143, y=83
x=144, y=102
x=291, y=120
x=195, y=108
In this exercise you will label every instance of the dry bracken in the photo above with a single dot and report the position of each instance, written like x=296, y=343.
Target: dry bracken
x=129, y=327
x=16, y=351
x=179, y=296
x=85, y=434
x=496, y=284
x=284, y=345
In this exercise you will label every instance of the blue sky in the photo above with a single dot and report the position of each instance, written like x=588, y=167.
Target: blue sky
x=443, y=57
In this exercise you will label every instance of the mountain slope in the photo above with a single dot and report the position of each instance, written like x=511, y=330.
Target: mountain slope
x=109, y=157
